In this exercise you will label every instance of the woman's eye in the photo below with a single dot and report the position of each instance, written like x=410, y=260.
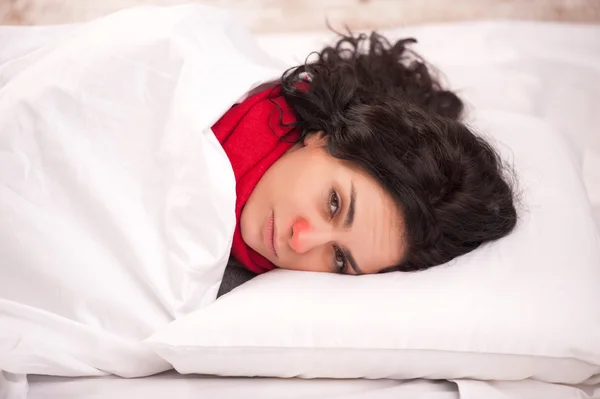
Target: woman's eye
x=334, y=203
x=340, y=260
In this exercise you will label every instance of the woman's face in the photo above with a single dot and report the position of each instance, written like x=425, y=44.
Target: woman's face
x=313, y=212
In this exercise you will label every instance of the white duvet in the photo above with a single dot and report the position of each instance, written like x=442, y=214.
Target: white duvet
x=116, y=200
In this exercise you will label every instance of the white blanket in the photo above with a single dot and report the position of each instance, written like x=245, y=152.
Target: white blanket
x=116, y=200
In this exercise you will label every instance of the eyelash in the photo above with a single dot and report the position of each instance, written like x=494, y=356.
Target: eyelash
x=333, y=196
x=338, y=254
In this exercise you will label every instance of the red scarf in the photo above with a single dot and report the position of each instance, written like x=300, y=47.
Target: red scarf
x=251, y=134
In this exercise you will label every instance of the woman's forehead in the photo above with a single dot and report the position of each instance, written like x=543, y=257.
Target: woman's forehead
x=378, y=231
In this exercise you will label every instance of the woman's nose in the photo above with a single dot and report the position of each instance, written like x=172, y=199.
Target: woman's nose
x=306, y=236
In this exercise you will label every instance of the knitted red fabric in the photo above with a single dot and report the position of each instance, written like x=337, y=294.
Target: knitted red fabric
x=254, y=136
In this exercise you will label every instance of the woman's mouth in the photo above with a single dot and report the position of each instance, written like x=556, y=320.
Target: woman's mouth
x=269, y=234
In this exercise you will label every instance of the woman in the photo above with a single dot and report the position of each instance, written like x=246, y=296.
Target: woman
x=117, y=197
x=367, y=167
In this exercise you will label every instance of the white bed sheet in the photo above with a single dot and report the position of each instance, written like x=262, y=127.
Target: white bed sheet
x=549, y=71
x=172, y=385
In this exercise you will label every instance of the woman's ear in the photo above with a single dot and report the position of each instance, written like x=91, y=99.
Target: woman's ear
x=316, y=139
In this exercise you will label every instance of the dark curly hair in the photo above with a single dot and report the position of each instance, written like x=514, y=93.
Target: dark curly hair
x=384, y=112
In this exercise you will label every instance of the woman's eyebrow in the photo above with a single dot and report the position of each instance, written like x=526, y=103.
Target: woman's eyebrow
x=352, y=261
x=349, y=220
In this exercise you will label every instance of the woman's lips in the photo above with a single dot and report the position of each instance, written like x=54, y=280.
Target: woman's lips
x=269, y=234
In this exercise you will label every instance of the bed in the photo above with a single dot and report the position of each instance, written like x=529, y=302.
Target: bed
x=548, y=70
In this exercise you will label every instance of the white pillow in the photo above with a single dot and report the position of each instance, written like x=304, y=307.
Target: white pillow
x=525, y=306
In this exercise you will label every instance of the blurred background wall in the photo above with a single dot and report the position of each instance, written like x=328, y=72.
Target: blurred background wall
x=263, y=16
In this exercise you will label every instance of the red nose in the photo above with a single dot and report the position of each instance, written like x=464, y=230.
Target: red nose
x=298, y=229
